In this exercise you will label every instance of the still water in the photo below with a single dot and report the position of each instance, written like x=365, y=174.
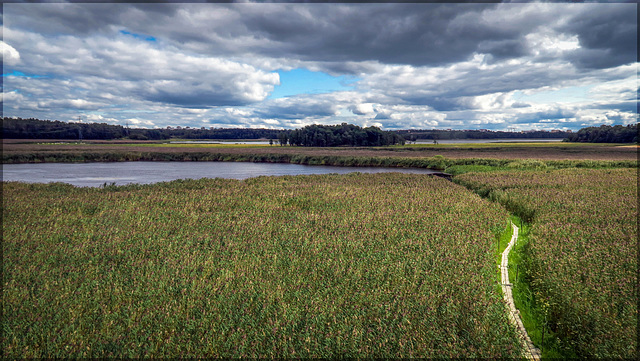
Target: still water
x=120, y=173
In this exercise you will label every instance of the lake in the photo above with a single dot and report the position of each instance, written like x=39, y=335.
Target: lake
x=120, y=173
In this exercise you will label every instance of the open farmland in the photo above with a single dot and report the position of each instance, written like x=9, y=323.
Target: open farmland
x=333, y=265
x=582, y=254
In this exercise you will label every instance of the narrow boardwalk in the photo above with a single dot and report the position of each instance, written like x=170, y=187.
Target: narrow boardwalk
x=532, y=351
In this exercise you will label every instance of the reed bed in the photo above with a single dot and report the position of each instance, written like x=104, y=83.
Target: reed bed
x=368, y=265
x=582, y=257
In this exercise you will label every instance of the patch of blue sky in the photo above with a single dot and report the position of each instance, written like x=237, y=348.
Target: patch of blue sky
x=304, y=81
x=23, y=75
x=573, y=94
x=138, y=36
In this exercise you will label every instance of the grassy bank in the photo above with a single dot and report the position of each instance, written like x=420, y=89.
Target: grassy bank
x=578, y=264
x=383, y=265
x=450, y=165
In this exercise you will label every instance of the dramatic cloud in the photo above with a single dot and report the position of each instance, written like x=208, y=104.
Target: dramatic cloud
x=467, y=65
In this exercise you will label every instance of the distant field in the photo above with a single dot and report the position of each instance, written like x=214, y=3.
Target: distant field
x=14, y=150
x=384, y=265
x=582, y=258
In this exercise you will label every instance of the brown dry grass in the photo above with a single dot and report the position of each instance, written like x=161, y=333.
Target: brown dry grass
x=561, y=151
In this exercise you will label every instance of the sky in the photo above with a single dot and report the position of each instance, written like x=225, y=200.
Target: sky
x=497, y=66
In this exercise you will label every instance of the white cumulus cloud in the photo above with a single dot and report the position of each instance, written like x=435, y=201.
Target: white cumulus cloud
x=10, y=56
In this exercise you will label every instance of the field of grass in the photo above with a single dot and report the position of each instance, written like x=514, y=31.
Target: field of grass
x=454, y=154
x=581, y=260
x=380, y=265
x=352, y=265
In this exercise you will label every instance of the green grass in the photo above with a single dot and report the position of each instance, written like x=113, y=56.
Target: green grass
x=579, y=256
x=533, y=313
x=508, y=145
x=382, y=265
x=198, y=268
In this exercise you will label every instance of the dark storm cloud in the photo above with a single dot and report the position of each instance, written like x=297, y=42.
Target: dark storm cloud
x=67, y=18
x=85, y=19
x=337, y=34
x=608, y=35
x=416, y=34
x=503, y=49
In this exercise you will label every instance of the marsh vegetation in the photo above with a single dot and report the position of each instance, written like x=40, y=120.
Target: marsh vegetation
x=372, y=265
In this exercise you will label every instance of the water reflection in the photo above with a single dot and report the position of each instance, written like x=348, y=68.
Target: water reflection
x=120, y=173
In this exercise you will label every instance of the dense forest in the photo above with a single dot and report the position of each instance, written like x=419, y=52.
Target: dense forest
x=18, y=128
x=437, y=134
x=339, y=135
x=606, y=134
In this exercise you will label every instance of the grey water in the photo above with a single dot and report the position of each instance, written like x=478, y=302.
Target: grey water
x=121, y=173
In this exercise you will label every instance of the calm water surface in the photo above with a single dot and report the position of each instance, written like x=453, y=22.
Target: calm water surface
x=120, y=173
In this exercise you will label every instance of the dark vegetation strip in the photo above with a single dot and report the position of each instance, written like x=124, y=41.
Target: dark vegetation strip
x=454, y=166
x=606, y=134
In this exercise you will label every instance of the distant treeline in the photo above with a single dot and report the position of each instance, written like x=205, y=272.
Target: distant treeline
x=314, y=135
x=18, y=128
x=437, y=134
x=606, y=134
x=339, y=135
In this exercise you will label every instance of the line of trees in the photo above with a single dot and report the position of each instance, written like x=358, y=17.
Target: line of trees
x=31, y=128
x=312, y=135
x=339, y=135
x=438, y=134
x=606, y=134
x=18, y=128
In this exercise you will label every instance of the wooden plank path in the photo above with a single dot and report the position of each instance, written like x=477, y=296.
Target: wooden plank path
x=514, y=315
